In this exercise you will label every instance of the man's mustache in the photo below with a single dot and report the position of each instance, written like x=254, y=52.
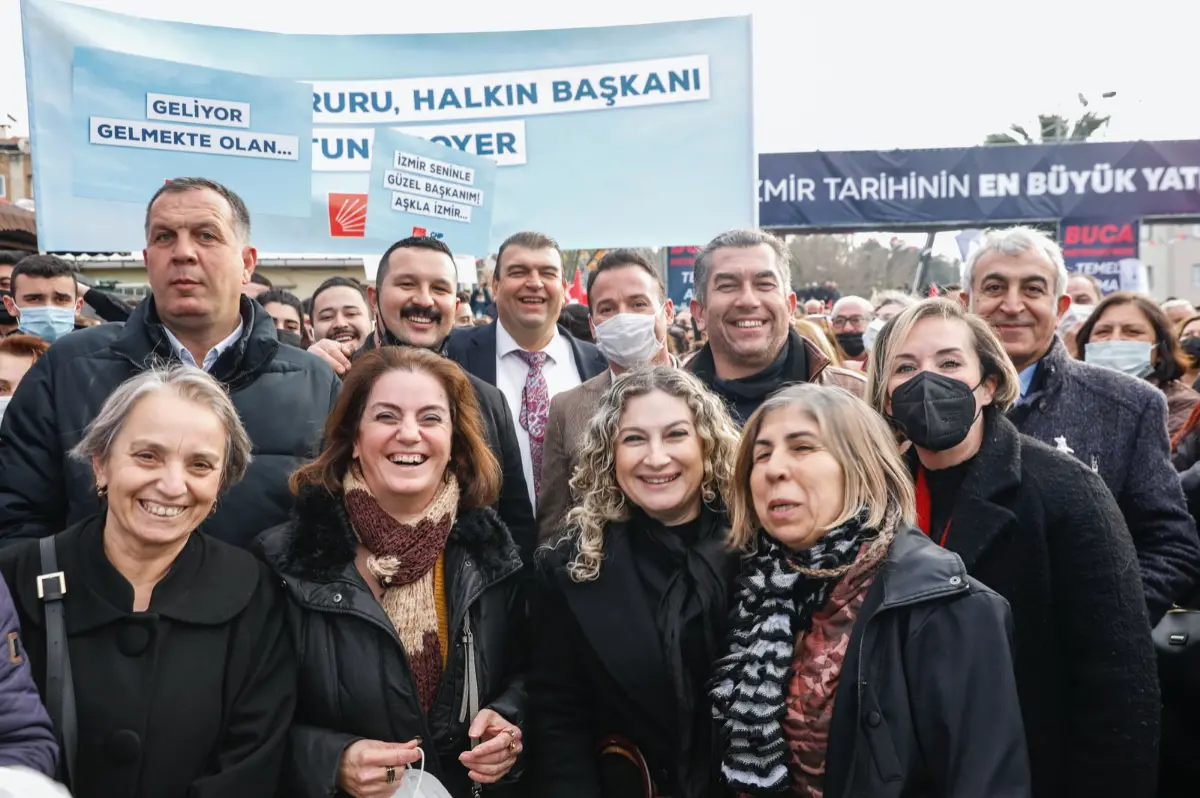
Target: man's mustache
x=431, y=313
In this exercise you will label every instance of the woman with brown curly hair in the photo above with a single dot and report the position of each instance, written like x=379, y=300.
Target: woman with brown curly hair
x=632, y=603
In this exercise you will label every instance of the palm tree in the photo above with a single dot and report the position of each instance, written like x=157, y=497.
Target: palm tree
x=1055, y=128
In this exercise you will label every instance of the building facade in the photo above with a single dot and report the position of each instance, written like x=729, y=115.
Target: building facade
x=16, y=168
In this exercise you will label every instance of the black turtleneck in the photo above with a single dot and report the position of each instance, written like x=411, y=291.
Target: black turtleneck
x=944, y=487
x=660, y=551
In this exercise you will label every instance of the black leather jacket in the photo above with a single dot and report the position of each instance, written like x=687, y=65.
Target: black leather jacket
x=355, y=679
x=927, y=700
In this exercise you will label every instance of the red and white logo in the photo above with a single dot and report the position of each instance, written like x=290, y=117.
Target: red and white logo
x=348, y=215
x=419, y=231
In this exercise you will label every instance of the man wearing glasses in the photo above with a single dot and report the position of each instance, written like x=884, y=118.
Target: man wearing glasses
x=851, y=317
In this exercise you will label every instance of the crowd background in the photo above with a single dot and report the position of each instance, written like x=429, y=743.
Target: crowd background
x=781, y=540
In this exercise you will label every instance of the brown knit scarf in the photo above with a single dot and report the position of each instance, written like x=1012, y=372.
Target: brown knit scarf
x=403, y=559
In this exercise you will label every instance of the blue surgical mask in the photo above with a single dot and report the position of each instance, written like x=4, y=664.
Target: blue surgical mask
x=1129, y=357
x=4, y=400
x=47, y=322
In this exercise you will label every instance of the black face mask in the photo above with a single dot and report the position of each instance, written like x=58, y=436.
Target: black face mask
x=1191, y=346
x=290, y=338
x=5, y=316
x=851, y=343
x=933, y=411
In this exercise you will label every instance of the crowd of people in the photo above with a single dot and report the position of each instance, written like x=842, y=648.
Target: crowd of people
x=402, y=539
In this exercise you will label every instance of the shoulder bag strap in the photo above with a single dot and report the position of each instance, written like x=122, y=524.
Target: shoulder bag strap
x=60, y=686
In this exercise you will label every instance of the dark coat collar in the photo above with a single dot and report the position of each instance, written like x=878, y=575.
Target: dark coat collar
x=804, y=362
x=318, y=544
x=615, y=617
x=917, y=569
x=481, y=353
x=144, y=339
x=982, y=511
x=209, y=584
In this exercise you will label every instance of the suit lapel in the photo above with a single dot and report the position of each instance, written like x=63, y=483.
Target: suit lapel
x=482, y=357
x=588, y=363
x=615, y=617
x=980, y=519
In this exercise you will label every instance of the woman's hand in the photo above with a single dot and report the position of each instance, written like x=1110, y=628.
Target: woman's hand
x=497, y=751
x=363, y=771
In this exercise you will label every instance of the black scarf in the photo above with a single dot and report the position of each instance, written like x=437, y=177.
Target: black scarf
x=745, y=395
x=774, y=603
x=691, y=618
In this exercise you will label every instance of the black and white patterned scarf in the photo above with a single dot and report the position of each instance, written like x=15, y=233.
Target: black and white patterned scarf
x=774, y=603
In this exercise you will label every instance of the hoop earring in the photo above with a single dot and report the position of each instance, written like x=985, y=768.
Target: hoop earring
x=102, y=491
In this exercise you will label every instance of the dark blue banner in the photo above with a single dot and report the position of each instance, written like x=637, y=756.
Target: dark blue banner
x=1107, y=249
x=978, y=186
x=679, y=275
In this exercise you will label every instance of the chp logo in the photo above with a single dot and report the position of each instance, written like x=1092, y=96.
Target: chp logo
x=421, y=232
x=347, y=215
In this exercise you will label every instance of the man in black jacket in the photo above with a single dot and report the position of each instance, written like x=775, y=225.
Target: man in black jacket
x=197, y=256
x=415, y=302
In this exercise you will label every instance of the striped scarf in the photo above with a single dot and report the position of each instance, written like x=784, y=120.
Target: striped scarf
x=774, y=603
x=404, y=558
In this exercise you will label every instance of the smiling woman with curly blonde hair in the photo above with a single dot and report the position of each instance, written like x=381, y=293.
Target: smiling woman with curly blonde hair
x=634, y=600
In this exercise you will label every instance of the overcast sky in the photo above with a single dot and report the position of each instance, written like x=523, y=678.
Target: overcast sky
x=830, y=74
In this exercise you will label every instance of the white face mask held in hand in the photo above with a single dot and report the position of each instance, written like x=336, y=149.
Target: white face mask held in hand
x=1129, y=357
x=628, y=339
x=421, y=784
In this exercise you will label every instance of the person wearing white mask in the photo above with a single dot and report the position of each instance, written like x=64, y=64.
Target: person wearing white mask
x=45, y=297
x=1131, y=334
x=630, y=316
x=1085, y=293
x=18, y=353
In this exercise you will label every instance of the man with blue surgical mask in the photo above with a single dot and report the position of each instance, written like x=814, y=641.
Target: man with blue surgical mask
x=630, y=316
x=44, y=297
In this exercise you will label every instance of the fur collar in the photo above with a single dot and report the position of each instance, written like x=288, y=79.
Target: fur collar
x=318, y=543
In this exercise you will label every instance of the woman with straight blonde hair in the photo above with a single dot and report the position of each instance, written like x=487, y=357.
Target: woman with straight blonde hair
x=862, y=660
x=809, y=330
x=1042, y=530
x=634, y=600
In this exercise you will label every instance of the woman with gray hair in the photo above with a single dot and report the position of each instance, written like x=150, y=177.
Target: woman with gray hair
x=161, y=653
x=861, y=660
x=633, y=601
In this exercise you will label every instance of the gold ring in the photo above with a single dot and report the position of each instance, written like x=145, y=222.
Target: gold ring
x=512, y=732
x=391, y=774
x=512, y=746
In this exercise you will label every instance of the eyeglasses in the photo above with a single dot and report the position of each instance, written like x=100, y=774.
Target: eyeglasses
x=843, y=321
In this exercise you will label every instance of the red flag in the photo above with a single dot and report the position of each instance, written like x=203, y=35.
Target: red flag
x=933, y=290
x=576, y=291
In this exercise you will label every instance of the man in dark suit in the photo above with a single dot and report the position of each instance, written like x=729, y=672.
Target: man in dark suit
x=415, y=301
x=524, y=352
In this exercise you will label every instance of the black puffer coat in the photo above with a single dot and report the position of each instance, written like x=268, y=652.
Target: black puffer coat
x=282, y=395
x=355, y=680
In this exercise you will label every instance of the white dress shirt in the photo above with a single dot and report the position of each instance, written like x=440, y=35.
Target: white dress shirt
x=560, y=372
x=210, y=359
